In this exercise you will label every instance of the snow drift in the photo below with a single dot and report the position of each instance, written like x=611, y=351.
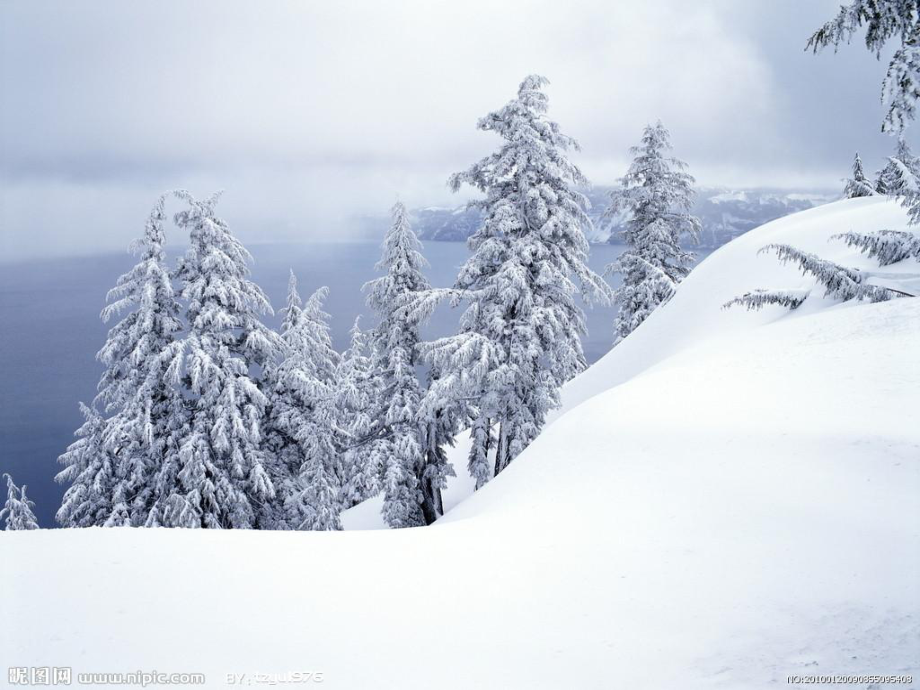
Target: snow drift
x=729, y=498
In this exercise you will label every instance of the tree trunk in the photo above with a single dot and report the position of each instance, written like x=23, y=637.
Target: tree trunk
x=432, y=506
x=432, y=503
x=501, y=453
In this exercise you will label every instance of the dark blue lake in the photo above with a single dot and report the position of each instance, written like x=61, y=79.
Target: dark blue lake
x=49, y=311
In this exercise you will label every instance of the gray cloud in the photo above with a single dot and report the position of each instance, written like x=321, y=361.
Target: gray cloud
x=311, y=113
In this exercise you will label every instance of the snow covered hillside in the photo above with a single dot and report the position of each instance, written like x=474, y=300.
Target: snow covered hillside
x=729, y=498
x=695, y=315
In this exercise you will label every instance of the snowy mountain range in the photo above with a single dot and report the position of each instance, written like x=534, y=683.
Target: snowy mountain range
x=725, y=214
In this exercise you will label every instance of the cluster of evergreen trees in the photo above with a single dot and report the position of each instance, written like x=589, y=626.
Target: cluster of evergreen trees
x=895, y=179
x=206, y=417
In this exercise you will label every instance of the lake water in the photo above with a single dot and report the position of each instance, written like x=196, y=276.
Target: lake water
x=50, y=333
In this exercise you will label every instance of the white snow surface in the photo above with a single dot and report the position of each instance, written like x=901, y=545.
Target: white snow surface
x=728, y=499
x=695, y=315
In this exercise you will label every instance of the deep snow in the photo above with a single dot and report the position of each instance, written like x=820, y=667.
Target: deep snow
x=727, y=499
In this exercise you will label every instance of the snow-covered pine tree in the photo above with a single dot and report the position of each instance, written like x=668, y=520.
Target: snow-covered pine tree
x=900, y=179
x=839, y=282
x=411, y=489
x=222, y=476
x=312, y=369
x=658, y=194
x=302, y=429
x=886, y=246
x=358, y=393
x=279, y=443
x=895, y=178
x=90, y=468
x=884, y=20
x=318, y=356
x=519, y=338
x=858, y=185
x=17, y=511
x=142, y=367
x=319, y=475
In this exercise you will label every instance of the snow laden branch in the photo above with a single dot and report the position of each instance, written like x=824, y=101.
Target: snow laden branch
x=886, y=246
x=758, y=299
x=839, y=282
x=420, y=305
x=884, y=20
x=470, y=358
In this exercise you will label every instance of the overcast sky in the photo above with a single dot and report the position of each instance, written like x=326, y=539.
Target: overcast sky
x=310, y=113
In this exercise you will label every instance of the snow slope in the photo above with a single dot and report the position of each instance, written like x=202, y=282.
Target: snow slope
x=733, y=501
x=695, y=314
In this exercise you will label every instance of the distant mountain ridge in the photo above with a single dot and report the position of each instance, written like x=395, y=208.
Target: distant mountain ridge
x=725, y=214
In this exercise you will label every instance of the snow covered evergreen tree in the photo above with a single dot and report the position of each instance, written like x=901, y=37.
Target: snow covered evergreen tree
x=282, y=404
x=900, y=179
x=312, y=366
x=221, y=476
x=142, y=366
x=411, y=487
x=358, y=393
x=17, y=511
x=658, y=194
x=895, y=178
x=319, y=475
x=520, y=336
x=858, y=185
x=884, y=20
x=302, y=428
x=136, y=390
x=90, y=468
